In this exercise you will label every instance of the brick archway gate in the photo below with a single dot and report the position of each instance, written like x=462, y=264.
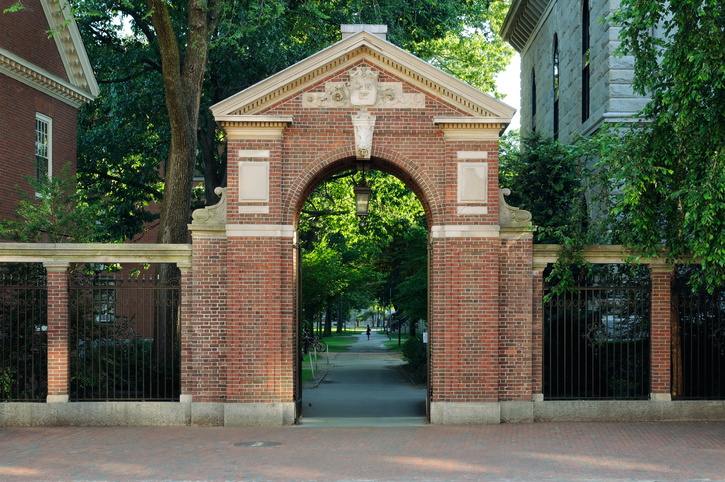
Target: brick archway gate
x=362, y=98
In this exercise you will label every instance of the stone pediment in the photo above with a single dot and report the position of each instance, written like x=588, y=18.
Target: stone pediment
x=81, y=86
x=363, y=88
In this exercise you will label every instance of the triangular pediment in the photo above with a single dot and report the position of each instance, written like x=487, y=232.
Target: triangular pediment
x=80, y=84
x=376, y=53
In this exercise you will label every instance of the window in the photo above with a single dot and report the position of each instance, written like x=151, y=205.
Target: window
x=43, y=147
x=533, y=100
x=555, y=62
x=585, y=60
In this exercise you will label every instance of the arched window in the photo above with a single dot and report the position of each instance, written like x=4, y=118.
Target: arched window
x=555, y=75
x=585, y=60
x=533, y=100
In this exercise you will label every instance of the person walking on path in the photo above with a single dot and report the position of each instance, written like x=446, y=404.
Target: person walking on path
x=368, y=332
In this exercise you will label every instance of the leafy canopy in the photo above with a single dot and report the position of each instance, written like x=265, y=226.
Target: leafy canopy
x=671, y=169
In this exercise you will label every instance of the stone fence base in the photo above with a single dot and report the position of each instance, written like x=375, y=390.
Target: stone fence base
x=170, y=414
x=467, y=413
x=135, y=414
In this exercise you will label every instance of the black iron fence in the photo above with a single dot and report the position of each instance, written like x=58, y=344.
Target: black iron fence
x=698, y=340
x=597, y=339
x=23, y=333
x=124, y=338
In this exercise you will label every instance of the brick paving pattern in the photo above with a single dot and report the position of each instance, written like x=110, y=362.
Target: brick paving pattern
x=526, y=452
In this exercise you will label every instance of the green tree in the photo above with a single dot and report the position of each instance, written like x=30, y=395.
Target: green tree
x=359, y=268
x=155, y=81
x=56, y=213
x=671, y=167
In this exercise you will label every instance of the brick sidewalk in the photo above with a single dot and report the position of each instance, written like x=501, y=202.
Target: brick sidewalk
x=543, y=451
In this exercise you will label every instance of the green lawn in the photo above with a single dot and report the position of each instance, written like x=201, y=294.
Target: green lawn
x=338, y=344
x=392, y=345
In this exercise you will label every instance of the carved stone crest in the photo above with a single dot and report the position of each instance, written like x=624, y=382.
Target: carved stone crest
x=510, y=216
x=364, y=124
x=363, y=90
x=363, y=87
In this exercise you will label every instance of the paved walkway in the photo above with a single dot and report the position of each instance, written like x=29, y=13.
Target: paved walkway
x=527, y=452
x=362, y=387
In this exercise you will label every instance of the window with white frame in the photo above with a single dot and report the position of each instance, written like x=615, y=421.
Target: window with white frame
x=43, y=147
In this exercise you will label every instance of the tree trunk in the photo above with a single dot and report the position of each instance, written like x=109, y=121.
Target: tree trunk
x=328, y=320
x=339, y=319
x=183, y=79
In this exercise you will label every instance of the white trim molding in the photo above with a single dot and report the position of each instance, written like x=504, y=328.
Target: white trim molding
x=260, y=231
x=40, y=79
x=465, y=231
x=472, y=155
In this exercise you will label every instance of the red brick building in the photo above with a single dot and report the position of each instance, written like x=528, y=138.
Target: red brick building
x=43, y=81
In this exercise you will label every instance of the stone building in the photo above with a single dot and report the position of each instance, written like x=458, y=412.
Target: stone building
x=571, y=79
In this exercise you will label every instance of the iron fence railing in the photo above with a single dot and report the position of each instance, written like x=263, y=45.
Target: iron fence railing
x=698, y=340
x=597, y=339
x=23, y=333
x=124, y=338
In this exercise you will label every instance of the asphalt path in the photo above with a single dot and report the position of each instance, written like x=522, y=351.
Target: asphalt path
x=363, y=387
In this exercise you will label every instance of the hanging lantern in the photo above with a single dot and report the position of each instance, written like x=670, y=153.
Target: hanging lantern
x=362, y=200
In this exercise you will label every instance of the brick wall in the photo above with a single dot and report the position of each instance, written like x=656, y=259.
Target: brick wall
x=25, y=34
x=58, y=332
x=660, y=331
x=208, y=358
x=464, y=330
x=17, y=137
x=515, y=320
x=260, y=344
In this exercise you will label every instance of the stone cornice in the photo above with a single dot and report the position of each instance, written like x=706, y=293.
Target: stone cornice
x=377, y=52
x=58, y=254
x=595, y=254
x=254, y=126
x=471, y=128
x=38, y=78
x=521, y=21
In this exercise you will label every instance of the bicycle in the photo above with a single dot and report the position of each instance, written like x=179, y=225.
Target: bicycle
x=312, y=342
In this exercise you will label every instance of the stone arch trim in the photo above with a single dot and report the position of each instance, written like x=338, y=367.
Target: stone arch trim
x=388, y=160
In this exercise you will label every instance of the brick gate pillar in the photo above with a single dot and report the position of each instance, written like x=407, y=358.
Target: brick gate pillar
x=204, y=333
x=58, y=333
x=185, y=322
x=516, y=325
x=661, y=312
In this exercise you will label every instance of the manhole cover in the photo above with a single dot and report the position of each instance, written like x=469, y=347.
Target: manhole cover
x=257, y=444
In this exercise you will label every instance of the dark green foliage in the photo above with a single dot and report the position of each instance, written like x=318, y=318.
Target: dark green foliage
x=124, y=135
x=546, y=178
x=415, y=353
x=58, y=213
x=23, y=333
x=360, y=268
x=672, y=169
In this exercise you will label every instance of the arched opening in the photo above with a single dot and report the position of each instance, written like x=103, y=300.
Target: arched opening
x=351, y=279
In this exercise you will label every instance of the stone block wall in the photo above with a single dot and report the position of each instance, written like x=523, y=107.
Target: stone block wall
x=611, y=95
